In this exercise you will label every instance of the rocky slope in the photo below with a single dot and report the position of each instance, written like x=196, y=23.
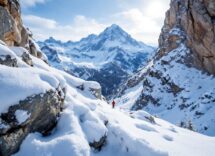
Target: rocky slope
x=107, y=58
x=47, y=111
x=178, y=84
x=25, y=108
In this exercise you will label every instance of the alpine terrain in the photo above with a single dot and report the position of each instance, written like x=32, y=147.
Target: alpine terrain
x=46, y=111
x=178, y=85
x=108, y=58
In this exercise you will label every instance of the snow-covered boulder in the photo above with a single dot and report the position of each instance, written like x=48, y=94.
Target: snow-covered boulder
x=31, y=98
x=7, y=57
x=38, y=113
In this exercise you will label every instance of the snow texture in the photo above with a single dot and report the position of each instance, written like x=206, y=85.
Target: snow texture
x=86, y=119
x=21, y=116
x=192, y=100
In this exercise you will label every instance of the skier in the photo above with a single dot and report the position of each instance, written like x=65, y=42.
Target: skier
x=113, y=104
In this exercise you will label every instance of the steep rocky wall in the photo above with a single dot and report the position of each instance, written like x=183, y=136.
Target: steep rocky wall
x=12, y=31
x=173, y=85
x=197, y=19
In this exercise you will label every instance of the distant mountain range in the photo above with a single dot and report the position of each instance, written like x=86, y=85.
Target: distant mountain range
x=108, y=58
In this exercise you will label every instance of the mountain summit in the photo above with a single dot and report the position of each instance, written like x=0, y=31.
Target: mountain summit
x=108, y=58
x=117, y=34
x=114, y=31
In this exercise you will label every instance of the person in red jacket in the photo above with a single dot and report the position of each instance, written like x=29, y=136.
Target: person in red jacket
x=113, y=104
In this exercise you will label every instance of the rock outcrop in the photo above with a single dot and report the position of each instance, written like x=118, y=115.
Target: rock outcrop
x=12, y=31
x=43, y=111
x=98, y=145
x=178, y=84
x=39, y=112
x=196, y=18
x=8, y=61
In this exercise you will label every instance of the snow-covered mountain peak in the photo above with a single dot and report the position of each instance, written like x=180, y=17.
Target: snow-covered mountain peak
x=114, y=31
x=113, y=54
x=115, y=34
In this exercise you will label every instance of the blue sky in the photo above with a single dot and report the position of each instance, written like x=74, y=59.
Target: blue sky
x=74, y=19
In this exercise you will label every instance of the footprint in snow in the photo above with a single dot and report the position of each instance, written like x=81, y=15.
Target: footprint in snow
x=92, y=107
x=173, y=129
x=145, y=128
x=168, y=138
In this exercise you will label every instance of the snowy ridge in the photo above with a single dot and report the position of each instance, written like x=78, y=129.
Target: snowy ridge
x=111, y=55
x=86, y=119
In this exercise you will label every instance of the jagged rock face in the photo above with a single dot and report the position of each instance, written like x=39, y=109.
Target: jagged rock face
x=12, y=31
x=42, y=110
x=197, y=19
x=173, y=85
x=11, y=24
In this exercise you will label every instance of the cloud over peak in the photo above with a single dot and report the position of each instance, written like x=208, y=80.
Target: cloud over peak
x=29, y=3
x=142, y=19
x=80, y=27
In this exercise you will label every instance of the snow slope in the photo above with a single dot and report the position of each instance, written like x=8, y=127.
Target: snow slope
x=127, y=134
x=107, y=58
x=86, y=119
x=175, y=91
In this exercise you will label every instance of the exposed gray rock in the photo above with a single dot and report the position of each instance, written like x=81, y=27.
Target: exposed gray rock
x=43, y=110
x=96, y=92
x=210, y=4
x=98, y=145
x=8, y=61
x=27, y=59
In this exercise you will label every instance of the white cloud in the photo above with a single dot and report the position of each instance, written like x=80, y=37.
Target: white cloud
x=143, y=19
x=35, y=21
x=81, y=26
x=140, y=26
x=143, y=23
x=29, y=3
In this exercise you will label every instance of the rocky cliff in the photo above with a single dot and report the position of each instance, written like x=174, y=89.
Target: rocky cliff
x=196, y=18
x=12, y=31
x=178, y=84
